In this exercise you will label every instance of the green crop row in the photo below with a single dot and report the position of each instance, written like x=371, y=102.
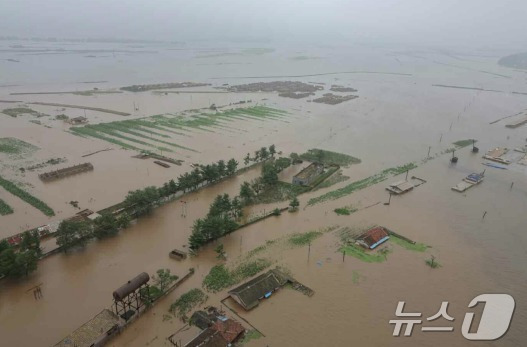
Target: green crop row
x=25, y=196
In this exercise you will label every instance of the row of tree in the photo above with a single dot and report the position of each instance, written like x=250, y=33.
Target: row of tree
x=17, y=262
x=142, y=201
x=71, y=233
x=260, y=155
x=220, y=220
x=224, y=211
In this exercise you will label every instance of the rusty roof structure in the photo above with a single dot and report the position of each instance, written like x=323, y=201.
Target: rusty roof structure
x=229, y=329
x=373, y=237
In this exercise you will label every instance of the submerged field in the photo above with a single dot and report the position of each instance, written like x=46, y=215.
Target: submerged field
x=5, y=209
x=361, y=184
x=25, y=196
x=157, y=132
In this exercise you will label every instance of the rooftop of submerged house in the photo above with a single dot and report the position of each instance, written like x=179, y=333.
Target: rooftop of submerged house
x=249, y=293
x=373, y=237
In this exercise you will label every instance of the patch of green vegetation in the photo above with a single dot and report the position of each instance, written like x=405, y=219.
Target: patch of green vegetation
x=10, y=145
x=361, y=184
x=85, y=132
x=345, y=211
x=328, y=157
x=432, y=262
x=321, y=178
x=394, y=171
x=25, y=196
x=464, y=143
x=280, y=191
x=220, y=277
x=250, y=335
x=151, y=294
x=418, y=247
x=303, y=239
x=154, y=129
x=5, y=209
x=102, y=128
x=361, y=254
x=187, y=302
x=332, y=180
x=62, y=117
x=17, y=111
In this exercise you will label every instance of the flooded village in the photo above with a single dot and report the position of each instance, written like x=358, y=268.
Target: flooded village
x=248, y=197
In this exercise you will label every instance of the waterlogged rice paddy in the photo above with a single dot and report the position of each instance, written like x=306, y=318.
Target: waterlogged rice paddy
x=464, y=143
x=366, y=256
x=328, y=157
x=157, y=131
x=12, y=146
x=25, y=196
x=361, y=184
x=5, y=209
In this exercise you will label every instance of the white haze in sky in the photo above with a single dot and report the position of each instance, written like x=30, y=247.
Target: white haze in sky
x=448, y=23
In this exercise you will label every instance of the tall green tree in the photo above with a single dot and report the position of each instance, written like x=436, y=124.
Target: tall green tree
x=71, y=233
x=269, y=174
x=232, y=165
x=272, y=150
x=163, y=279
x=7, y=262
x=4, y=245
x=264, y=154
x=237, y=208
x=25, y=262
x=142, y=200
x=31, y=241
x=222, y=168
x=123, y=221
x=105, y=225
x=247, y=159
x=257, y=185
x=185, y=182
x=246, y=193
x=195, y=178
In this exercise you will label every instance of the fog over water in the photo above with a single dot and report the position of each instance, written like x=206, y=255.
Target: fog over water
x=446, y=23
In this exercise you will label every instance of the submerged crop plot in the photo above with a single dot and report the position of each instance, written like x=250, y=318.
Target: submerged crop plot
x=25, y=196
x=12, y=146
x=361, y=184
x=329, y=158
x=157, y=132
x=5, y=209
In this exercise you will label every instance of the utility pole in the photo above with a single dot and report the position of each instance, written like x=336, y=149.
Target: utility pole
x=428, y=155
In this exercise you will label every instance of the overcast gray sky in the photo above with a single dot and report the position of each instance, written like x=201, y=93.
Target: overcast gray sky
x=444, y=22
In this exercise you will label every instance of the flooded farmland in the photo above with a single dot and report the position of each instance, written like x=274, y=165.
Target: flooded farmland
x=400, y=116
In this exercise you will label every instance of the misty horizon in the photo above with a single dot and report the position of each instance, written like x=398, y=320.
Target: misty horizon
x=446, y=24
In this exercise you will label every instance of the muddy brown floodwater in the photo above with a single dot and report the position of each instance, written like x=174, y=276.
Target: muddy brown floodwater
x=393, y=122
